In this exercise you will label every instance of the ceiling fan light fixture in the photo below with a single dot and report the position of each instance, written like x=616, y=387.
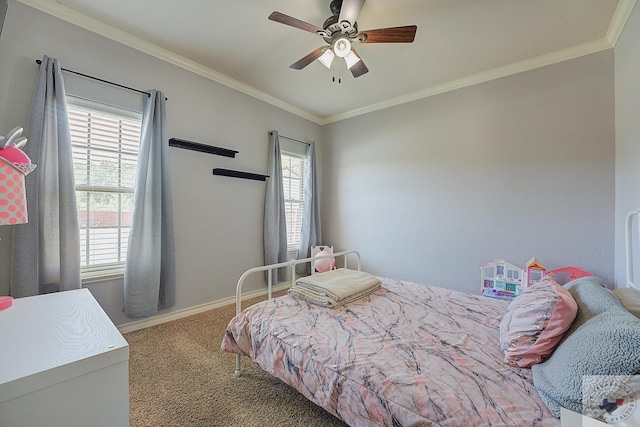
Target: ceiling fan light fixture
x=351, y=59
x=327, y=58
x=340, y=32
x=342, y=47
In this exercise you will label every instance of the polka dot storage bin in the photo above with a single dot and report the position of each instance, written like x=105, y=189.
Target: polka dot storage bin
x=13, y=203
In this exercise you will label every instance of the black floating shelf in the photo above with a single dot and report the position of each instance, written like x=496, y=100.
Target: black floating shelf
x=181, y=143
x=239, y=174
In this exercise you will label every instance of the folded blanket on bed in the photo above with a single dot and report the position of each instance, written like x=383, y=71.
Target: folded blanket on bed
x=335, y=288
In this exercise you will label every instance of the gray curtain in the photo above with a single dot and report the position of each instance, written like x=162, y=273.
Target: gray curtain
x=311, y=234
x=46, y=251
x=149, y=275
x=275, y=227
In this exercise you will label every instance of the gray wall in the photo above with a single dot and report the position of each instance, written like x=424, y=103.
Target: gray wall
x=428, y=191
x=627, y=66
x=218, y=220
x=514, y=168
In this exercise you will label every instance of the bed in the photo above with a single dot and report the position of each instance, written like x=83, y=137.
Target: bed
x=404, y=355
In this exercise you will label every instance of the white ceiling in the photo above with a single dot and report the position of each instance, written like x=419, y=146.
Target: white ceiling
x=458, y=42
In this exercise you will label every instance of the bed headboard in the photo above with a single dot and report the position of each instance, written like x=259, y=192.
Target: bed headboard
x=270, y=269
x=629, y=245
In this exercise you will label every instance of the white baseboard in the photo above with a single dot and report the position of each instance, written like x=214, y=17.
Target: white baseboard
x=179, y=314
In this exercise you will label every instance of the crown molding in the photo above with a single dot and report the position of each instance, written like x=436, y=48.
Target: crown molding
x=69, y=15
x=496, y=73
x=619, y=20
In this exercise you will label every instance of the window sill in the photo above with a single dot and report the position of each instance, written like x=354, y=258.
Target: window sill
x=102, y=276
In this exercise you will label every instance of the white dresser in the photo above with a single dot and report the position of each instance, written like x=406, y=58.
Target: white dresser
x=62, y=363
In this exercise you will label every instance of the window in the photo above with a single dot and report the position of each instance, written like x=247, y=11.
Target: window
x=105, y=141
x=293, y=168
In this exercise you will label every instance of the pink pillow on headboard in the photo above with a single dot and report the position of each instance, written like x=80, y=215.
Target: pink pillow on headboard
x=535, y=323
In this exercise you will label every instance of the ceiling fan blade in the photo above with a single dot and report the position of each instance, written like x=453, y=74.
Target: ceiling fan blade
x=349, y=12
x=303, y=62
x=293, y=22
x=359, y=69
x=404, y=34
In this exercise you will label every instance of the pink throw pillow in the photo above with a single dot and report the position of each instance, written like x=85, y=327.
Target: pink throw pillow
x=535, y=323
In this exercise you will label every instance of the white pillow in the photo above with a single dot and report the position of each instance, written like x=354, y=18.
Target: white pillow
x=630, y=299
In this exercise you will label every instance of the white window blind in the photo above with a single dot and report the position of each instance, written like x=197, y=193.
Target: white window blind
x=105, y=142
x=293, y=167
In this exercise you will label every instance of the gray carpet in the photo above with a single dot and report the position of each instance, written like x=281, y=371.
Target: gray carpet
x=178, y=376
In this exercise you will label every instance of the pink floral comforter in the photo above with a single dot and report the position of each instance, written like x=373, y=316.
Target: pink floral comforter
x=406, y=355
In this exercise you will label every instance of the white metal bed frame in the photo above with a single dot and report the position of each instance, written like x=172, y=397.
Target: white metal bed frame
x=629, y=246
x=292, y=272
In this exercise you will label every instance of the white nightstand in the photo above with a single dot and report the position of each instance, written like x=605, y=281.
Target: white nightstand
x=62, y=363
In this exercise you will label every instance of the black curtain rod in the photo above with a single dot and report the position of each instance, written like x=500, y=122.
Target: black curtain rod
x=293, y=139
x=38, y=61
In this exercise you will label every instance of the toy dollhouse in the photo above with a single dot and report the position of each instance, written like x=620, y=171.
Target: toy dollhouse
x=502, y=279
x=566, y=274
x=535, y=271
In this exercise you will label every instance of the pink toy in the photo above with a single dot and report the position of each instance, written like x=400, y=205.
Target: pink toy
x=534, y=271
x=11, y=153
x=325, y=264
x=566, y=274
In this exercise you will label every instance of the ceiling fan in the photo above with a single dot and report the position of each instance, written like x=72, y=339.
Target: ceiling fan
x=340, y=31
